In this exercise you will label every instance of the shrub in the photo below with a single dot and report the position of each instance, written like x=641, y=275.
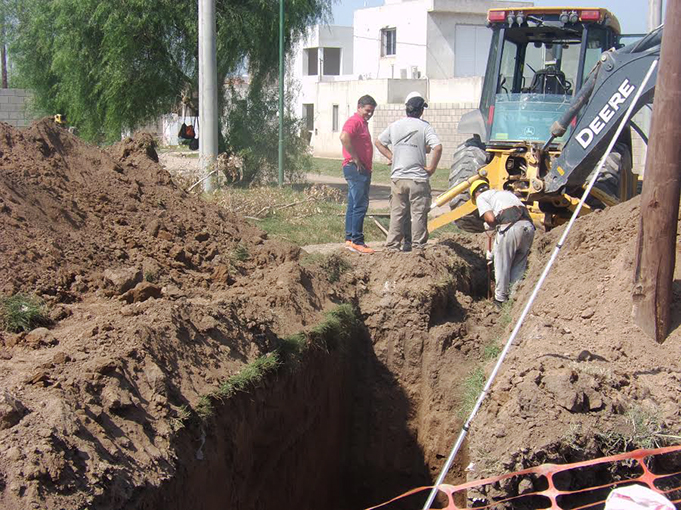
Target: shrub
x=22, y=312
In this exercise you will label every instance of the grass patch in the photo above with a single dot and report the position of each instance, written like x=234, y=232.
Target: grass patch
x=151, y=276
x=491, y=350
x=333, y=265
x=303, y=215
x=505, y=314
x=380, y=172
x=642, y=429
x=250, y=376
x=336, y=329
x=472, y=387
x=240, y=253
x=22, y=312
x=333, y=332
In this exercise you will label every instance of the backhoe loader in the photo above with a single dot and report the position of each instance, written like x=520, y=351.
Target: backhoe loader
x=558, y=82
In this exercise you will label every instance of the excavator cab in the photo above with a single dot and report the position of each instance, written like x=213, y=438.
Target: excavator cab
x=539, y=59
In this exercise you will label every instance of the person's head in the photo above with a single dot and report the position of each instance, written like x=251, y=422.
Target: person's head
x=479, y=186
x=366, y=106
x=415, y=104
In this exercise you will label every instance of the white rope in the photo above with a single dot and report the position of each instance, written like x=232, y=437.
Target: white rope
x=528, y=306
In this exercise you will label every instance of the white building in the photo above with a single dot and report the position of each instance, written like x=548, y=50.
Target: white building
x=436, y=47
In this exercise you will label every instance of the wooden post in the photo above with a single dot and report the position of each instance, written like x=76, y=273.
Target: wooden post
x=656, y=250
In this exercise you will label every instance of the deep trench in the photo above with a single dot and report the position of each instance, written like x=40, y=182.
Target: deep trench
x=307, y=438
x=331, y=432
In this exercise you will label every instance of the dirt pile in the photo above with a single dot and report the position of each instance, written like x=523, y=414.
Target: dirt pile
x=155, y=298
x=582, y=380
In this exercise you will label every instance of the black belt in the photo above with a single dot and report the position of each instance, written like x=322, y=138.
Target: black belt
x=511, y=216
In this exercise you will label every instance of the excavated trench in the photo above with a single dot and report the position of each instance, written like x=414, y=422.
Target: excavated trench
x=345, y=428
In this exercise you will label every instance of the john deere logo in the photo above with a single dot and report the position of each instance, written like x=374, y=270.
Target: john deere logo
x=529, y=131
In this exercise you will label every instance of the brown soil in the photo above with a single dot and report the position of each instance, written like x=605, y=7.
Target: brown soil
x=156, y=297
x=582, y=381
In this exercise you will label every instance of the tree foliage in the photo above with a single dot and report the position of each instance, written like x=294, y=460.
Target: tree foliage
x=111, y=65
x=251, y=124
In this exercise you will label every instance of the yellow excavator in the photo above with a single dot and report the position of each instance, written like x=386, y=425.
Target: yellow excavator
x=558, y=82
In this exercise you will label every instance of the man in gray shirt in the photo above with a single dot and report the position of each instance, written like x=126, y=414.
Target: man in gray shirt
x=411, y=138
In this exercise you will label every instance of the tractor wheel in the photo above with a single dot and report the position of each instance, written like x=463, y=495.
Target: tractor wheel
x=617, y=164
x=468, y=158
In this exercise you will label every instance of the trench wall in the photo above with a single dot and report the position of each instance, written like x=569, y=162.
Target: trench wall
x=282, y=445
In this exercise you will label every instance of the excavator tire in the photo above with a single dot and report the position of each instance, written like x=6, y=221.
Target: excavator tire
x=616, y=164
x=468, y=158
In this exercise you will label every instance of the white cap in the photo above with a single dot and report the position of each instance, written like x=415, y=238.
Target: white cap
x=412, y=95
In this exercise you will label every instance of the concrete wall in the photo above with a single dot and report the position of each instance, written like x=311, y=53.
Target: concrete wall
x=13, y=111
x=456, y=90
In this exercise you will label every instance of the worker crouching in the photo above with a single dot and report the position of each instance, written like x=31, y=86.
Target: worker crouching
x=504, y=211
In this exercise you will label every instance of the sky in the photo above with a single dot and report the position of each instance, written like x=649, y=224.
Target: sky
x=632, y=14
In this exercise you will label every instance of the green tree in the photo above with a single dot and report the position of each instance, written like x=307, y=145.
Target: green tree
x=8, y=23
x=251, y=124
x=111, y=65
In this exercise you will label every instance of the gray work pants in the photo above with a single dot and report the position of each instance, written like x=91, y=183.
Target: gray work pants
x=408, y=195
x=511, y=249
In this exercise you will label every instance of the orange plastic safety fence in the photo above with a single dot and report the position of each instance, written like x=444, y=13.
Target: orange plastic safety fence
x=579, y=486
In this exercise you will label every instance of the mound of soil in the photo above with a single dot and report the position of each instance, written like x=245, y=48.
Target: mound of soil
x=582, y=380
x=155, y=297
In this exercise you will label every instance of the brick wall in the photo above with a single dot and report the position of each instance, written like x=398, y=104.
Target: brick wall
x=444, y=117
x=13, y=109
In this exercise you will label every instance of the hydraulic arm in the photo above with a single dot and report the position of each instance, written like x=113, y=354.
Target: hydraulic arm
x=599, y=105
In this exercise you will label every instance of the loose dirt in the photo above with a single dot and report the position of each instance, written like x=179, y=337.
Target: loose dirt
x=156, y=297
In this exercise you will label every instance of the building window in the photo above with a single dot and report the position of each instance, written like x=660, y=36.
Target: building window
x=388, y=41
x=332, y=61
x=311, y=62
x=334, y=125
x=308, y=116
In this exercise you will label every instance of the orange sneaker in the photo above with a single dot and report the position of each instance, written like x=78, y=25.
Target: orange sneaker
x=349, y=246
x=362, y=248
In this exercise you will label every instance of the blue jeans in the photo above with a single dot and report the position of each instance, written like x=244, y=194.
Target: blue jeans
x=358, y=202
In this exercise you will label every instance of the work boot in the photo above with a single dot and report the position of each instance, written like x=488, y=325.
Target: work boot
x=497, y=304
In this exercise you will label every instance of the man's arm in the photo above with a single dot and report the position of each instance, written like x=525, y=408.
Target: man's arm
x=434, y=160
x=489, y=218
x=384, y=150
x=485, y=210
x=347, y=145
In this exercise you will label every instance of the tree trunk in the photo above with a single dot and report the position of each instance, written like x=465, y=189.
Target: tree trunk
x=4, y=65
x=656, y=250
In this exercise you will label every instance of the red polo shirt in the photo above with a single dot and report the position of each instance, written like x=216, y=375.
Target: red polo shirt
x=358, y=129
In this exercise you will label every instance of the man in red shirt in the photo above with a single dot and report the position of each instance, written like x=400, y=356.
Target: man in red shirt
x=357, y=156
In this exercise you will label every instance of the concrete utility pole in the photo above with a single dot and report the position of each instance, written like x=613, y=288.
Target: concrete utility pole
x=654, y=14
x=208, y=93
x=281, y=93
x=656, y=250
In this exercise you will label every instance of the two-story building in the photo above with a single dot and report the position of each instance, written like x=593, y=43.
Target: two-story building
x=436, y=47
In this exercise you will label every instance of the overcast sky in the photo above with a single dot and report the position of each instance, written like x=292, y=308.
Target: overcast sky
x=633, y=14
